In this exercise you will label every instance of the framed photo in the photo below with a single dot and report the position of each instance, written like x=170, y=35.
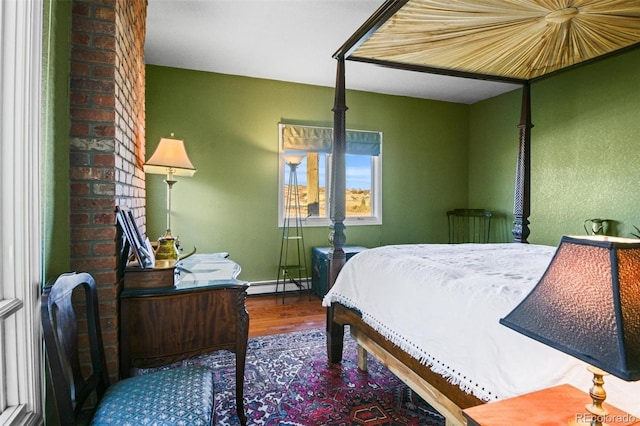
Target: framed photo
x=135, y=242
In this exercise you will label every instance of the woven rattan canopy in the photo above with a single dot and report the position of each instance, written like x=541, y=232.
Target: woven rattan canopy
x=504, y=40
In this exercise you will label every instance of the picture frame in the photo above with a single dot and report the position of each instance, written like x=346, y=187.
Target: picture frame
x=135, y=241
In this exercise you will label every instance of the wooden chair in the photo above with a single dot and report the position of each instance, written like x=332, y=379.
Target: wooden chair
x=469, y=225
x=181, y=395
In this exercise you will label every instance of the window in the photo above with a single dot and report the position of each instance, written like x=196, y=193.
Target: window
x=305, y=159
x=21, y=375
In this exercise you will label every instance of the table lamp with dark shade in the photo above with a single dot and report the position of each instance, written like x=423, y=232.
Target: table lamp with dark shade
x=587, y=304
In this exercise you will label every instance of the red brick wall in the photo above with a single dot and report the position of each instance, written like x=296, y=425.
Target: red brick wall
x=107, y=141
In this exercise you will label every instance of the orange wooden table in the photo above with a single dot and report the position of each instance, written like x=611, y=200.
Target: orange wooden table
x=555, y=406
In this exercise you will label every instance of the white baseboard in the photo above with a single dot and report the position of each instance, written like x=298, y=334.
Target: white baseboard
x=269, y=287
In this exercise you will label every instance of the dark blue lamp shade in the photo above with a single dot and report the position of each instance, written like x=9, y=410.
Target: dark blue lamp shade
x=587, y=304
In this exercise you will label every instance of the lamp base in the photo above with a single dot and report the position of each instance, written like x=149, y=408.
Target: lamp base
x=596, y=412
x=167, y=248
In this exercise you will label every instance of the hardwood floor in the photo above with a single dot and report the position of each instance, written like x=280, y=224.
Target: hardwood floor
x=268, y=315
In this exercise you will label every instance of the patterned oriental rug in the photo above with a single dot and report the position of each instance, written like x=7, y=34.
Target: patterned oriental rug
x=288, y=381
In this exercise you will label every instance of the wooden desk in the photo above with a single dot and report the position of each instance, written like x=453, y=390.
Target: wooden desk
x=205, y=311
x=554, y=406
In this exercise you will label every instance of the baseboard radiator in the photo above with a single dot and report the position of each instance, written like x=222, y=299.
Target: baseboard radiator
x=269, y=287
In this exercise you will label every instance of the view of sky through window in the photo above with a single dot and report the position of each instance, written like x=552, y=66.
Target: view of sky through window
x=358, y=172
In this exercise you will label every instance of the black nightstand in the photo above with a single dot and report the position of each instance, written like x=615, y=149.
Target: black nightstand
x=320, y=266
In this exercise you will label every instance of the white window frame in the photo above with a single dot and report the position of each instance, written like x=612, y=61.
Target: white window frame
x=314, y=221
x=21, y=372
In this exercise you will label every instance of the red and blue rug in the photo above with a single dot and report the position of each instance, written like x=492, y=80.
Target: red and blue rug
x=288, y=381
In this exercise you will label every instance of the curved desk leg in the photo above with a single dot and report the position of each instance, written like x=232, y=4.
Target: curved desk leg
x=241, y=355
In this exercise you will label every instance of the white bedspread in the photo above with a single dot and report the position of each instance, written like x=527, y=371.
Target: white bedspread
x=441, y=304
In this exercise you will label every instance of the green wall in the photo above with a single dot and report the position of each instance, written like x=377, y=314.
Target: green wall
x=55, y=154
x=585, y=149
x=55, y=137
x=493, y=150
x=230, y=128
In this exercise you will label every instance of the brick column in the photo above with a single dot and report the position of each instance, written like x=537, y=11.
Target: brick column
x=106, y=142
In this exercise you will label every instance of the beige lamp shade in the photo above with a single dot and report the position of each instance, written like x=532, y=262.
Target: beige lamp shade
x=170, y=158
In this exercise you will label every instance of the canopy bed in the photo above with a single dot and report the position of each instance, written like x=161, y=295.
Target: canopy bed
x=515, y=41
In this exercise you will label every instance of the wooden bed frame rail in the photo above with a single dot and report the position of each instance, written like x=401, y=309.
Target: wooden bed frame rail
x=447, y=398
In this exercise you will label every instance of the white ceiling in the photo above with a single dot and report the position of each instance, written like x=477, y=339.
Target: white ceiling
x=287, y=40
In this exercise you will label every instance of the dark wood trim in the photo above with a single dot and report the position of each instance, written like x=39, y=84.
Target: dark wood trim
x=337, y=237
x=478, y=76
x=522, y=196
x=371, y=25
x=434, y=70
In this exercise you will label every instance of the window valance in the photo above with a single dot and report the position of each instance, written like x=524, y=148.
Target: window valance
x=320, y=139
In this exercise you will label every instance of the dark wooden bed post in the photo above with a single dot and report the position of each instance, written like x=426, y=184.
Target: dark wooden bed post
x=522, y=197
x=337, y=237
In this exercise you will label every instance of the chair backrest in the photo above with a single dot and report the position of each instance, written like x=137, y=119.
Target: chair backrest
x=72, y=386
x=469, y=225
